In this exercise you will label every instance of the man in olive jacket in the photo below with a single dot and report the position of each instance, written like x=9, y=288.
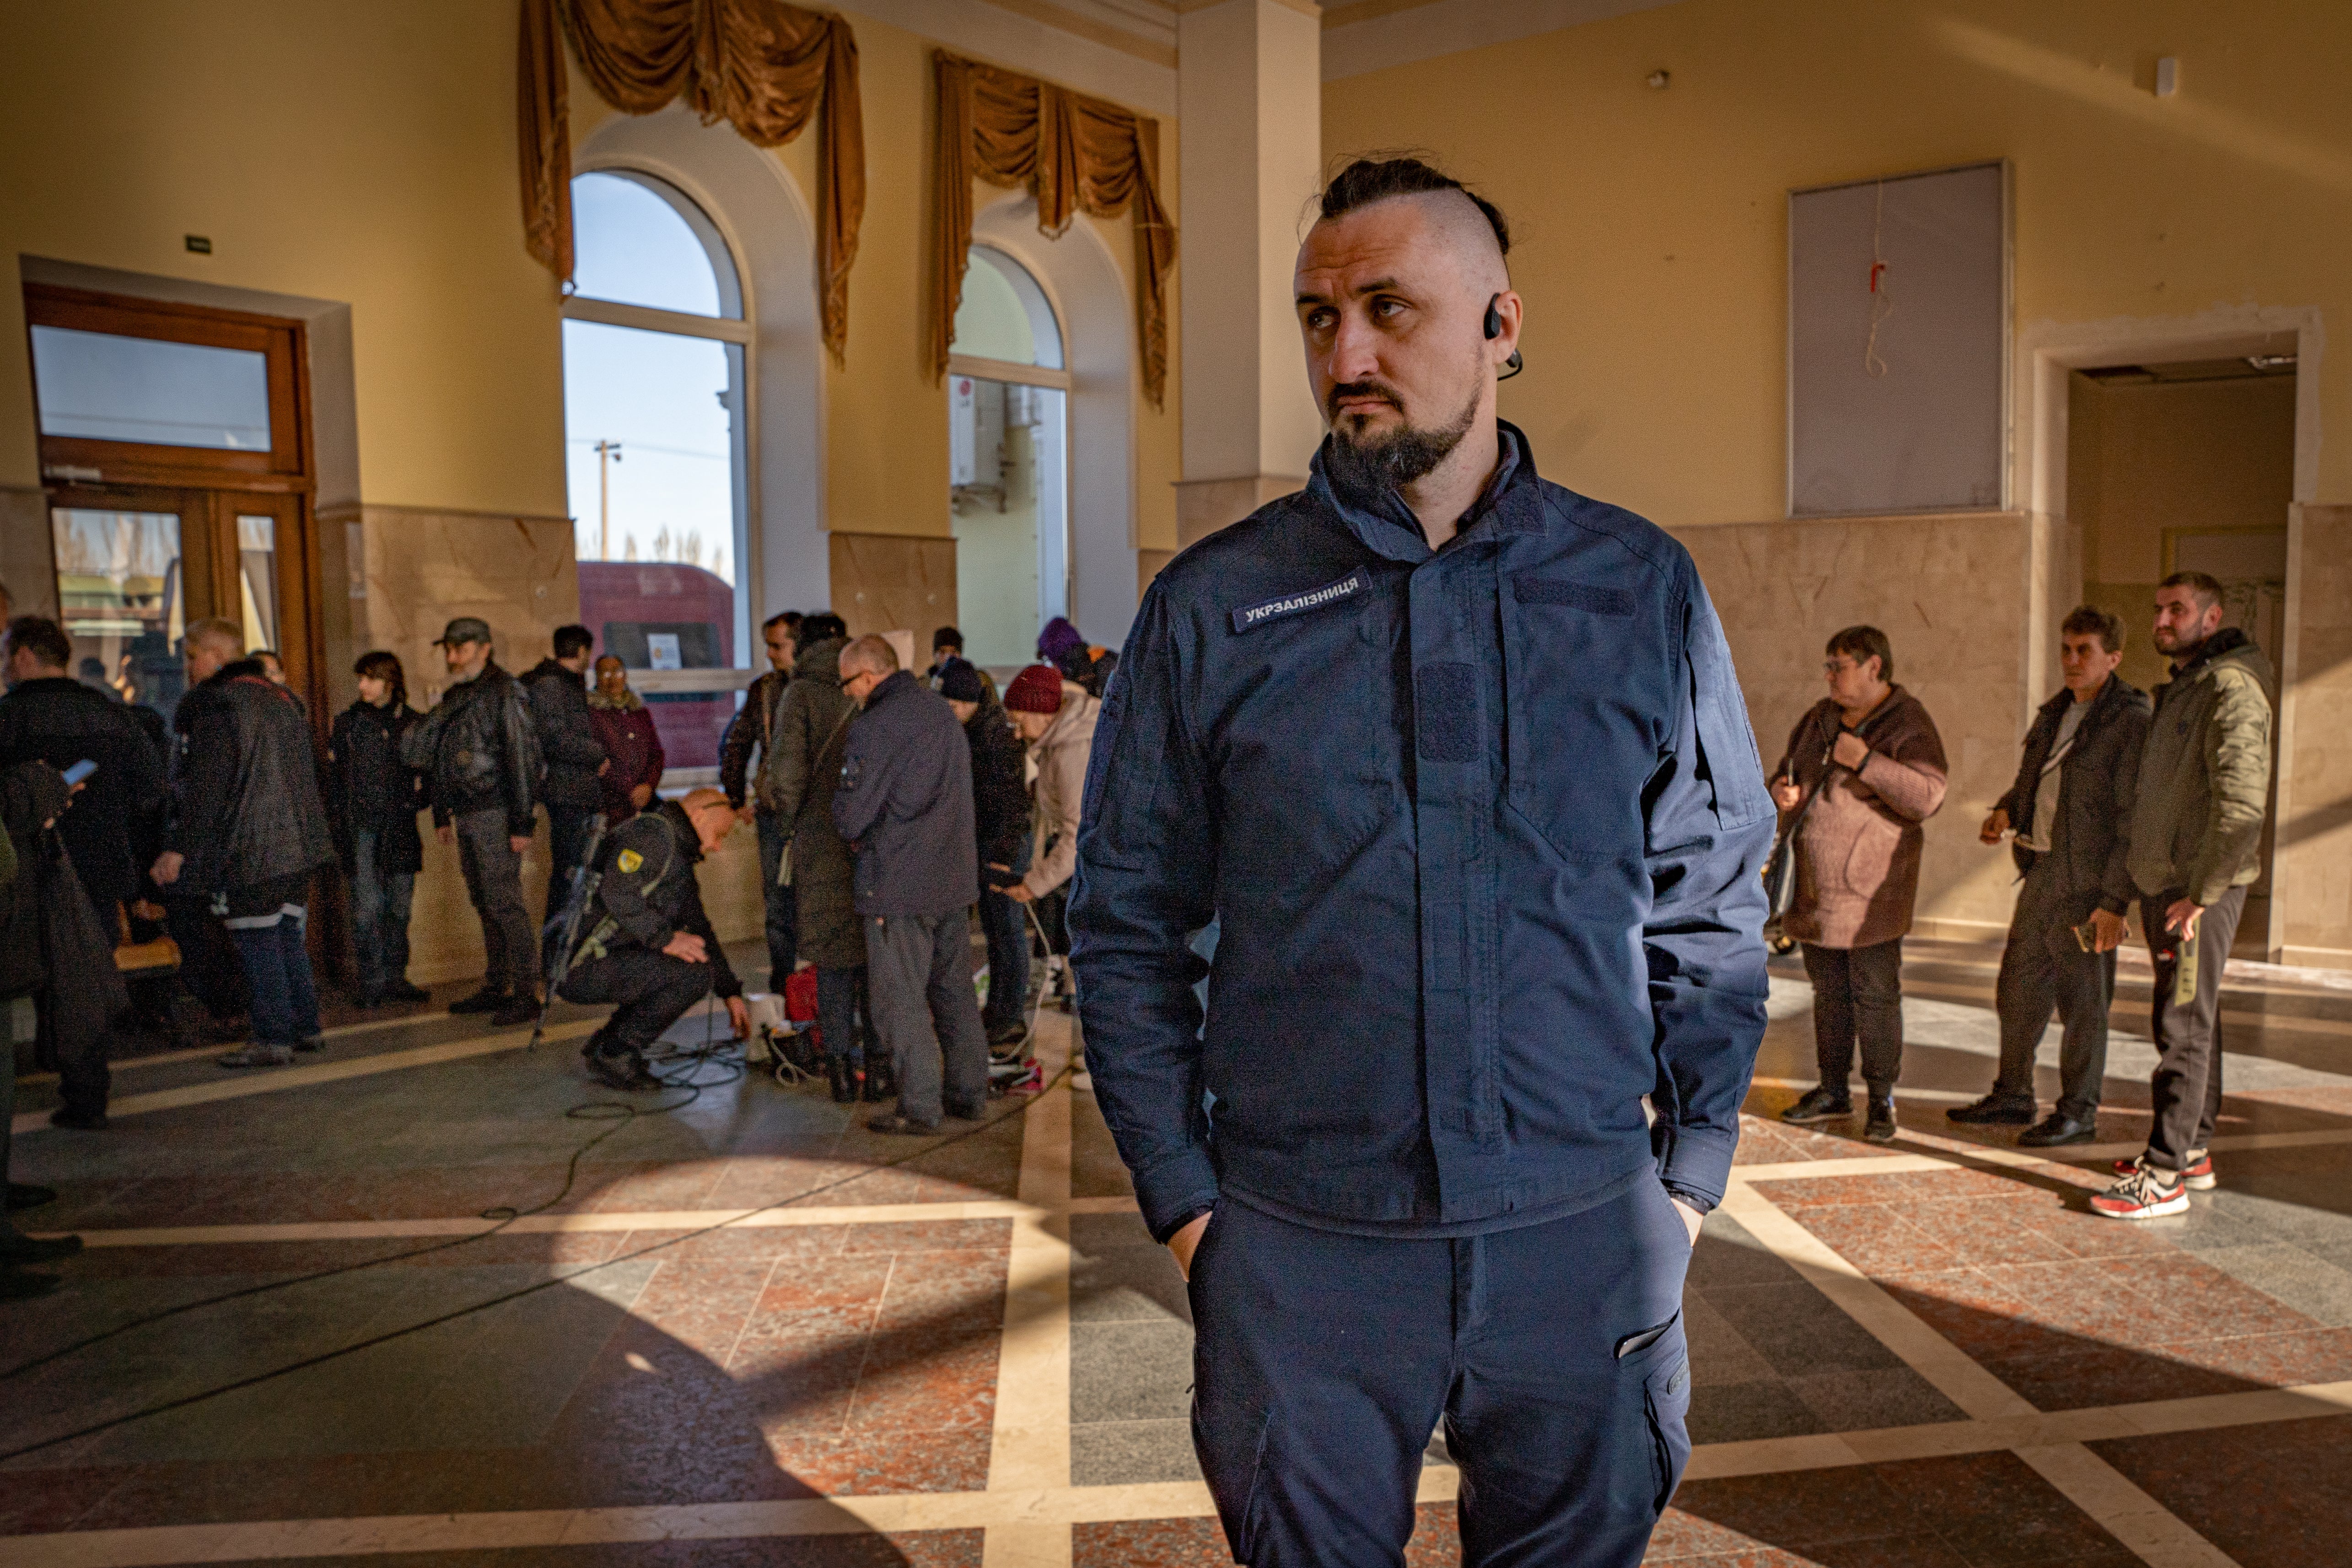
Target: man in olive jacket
x=2196, y=838
x=758, y=727
x=798, y=776
x=2069, y=808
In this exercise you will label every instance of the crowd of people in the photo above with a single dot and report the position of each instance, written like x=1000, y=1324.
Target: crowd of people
x=886, y=808
x=2120, y=800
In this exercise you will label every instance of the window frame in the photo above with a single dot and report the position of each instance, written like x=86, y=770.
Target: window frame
x=1058, y=378
x=93, y=459
x=739, y=329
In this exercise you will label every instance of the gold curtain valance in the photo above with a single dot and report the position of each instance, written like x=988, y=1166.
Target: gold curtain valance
x=765, y=68
x=1074, y=154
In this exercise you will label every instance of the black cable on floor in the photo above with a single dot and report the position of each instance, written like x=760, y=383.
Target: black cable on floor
x=630, y=1113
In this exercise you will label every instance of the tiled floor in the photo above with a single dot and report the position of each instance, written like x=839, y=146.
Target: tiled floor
x=748, y=1331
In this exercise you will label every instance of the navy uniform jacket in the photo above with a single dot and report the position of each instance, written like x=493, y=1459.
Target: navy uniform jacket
x=1480, y=829
x=648, y=893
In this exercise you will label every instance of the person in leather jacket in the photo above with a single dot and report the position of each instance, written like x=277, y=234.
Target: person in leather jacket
x=246, y=829
x=480, y=756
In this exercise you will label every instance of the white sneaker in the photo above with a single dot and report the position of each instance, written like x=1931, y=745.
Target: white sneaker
x=2141, y=1196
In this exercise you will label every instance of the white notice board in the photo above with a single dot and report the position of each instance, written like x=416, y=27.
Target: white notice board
x=1899, y=344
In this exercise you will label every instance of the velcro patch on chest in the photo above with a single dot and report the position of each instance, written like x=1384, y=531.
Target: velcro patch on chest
x=1250, y=616
x=1591, y=597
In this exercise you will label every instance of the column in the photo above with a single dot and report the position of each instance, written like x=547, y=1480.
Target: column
x=1249, y=117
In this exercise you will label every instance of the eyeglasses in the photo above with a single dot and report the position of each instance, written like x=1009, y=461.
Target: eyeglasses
x=1838, y=666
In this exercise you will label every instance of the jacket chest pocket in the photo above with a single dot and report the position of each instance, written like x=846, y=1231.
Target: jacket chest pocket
x=1587, y=697
x=1310, y=749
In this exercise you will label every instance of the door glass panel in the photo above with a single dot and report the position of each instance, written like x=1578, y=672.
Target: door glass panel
x=257, y=561
x=106, y=387
x=119, y=585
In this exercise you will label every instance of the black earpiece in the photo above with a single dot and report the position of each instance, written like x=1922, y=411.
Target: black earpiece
x=1513, y=365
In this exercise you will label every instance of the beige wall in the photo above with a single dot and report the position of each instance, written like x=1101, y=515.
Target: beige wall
x=361, y=153
x=1651, y=225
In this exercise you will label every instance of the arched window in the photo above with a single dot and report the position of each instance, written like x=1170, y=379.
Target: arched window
x=1008, y=464
x=655, y=340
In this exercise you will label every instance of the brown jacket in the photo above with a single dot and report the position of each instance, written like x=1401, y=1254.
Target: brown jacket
x=1858, y=851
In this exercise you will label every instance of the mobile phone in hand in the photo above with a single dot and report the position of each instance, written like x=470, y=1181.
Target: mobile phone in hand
x=79, y=771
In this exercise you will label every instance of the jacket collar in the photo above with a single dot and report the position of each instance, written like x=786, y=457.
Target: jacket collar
x=1077, y=704
x=2115, y=694
x=889, y=686
x=2229, y=639
x=681, y=829
x=820, y=662
x=1384, y=524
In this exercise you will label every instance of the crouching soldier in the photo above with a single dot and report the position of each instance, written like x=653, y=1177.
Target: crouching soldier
x=646, y=947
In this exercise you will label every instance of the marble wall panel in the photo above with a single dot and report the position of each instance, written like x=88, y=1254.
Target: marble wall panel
x=1958, y=597
x=2314, y=864
x=884, y=582
x=28, y=564
x=424, y=568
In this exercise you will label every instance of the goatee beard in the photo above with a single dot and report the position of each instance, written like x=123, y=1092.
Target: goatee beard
x=1397, y=457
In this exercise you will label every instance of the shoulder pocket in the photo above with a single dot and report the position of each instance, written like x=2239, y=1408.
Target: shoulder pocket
x=1726, y=744
x=1530, y=588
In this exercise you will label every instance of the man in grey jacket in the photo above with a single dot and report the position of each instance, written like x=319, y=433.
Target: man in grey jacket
x=2196, y=837
x=2069, y=808
x=904, y=803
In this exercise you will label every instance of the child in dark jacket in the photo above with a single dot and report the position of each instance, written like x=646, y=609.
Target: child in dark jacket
x=374, y=800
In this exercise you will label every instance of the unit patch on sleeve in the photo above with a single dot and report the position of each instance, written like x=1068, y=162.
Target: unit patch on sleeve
x=629, y=860
x=1250, y=616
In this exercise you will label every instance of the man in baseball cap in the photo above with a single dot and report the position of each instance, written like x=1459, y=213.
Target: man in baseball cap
x=464, y=629
x=481, y=752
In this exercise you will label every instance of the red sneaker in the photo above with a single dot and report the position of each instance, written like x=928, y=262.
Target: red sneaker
x=2198, y=1178
x=2141, y=1196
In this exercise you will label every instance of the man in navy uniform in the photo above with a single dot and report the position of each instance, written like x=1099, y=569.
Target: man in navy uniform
x=645, y=946
x=1456, y=761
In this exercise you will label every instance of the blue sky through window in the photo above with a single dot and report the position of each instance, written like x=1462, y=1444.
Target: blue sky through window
x=659, y=396
x=631, y=246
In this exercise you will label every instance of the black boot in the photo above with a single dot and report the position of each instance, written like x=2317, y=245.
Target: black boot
x=844, y=1090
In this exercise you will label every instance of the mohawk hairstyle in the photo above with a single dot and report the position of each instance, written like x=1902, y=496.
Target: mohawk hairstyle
x=1377, y=178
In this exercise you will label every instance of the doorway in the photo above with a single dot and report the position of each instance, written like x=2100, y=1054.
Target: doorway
x=175, y=452
x=2188, y=466
x=136, y=564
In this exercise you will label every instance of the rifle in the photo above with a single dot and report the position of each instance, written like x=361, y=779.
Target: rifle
x=557, y=959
